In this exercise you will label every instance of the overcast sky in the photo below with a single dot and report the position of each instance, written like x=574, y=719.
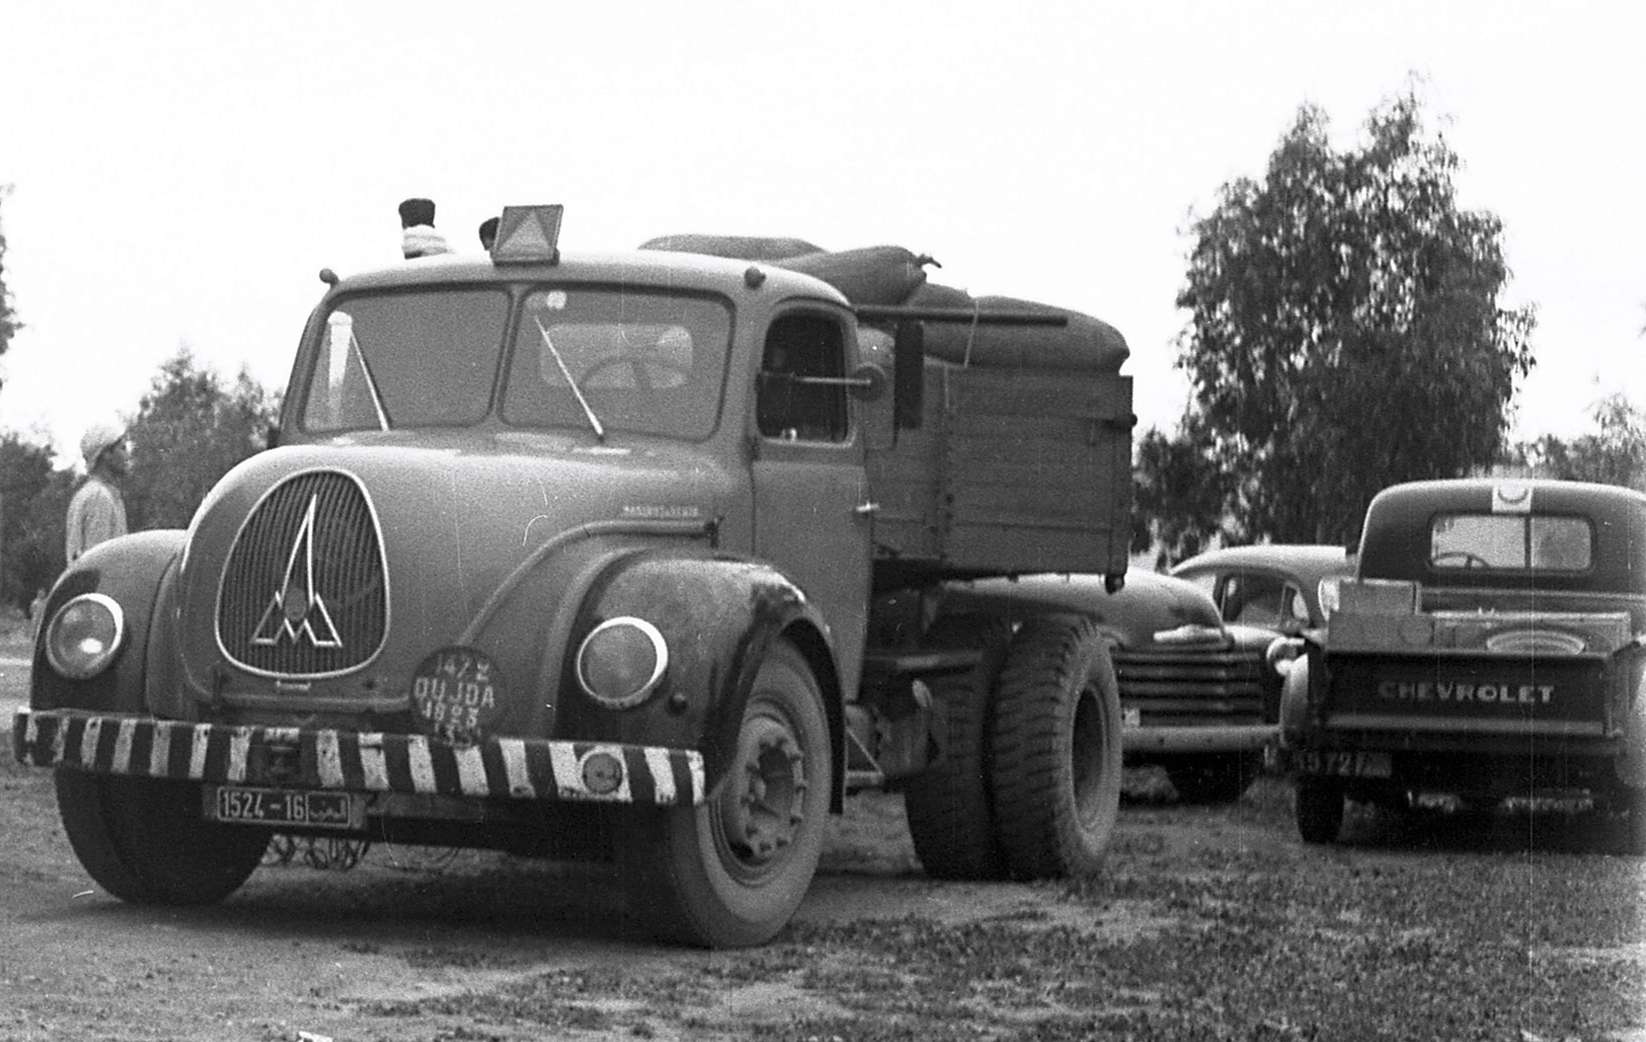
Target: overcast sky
x=181, y=171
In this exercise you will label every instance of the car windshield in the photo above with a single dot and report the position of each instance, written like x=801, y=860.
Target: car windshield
x=410, y=359
x=1524, y=542
x=619, y=359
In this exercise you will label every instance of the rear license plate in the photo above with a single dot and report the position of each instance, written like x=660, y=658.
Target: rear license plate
x=1351, y=764
x=315, y=810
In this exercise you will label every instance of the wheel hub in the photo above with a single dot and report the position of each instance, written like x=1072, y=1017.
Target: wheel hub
x=761, y=806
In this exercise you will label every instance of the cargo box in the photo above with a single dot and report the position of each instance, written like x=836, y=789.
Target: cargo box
x=1012, y=470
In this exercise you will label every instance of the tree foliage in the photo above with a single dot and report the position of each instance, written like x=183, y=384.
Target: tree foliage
x=8, y=315
x=1179, y=495
x=1345, y=330
x=36, y=498
x=1615, y=454
x=190, y=429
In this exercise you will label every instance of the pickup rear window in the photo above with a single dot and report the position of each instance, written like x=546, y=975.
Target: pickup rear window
x=1512, y=542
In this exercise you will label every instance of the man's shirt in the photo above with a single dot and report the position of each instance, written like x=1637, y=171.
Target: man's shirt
x=96, y=513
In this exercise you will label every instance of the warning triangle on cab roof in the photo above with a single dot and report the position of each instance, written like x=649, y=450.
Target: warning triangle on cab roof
x=528, y=234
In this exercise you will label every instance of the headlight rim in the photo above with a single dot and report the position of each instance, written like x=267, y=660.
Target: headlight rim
x=660, y=664
x=98, y=665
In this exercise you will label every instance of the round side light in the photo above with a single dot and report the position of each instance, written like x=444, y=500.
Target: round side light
x=85, y=635
x=621, y=662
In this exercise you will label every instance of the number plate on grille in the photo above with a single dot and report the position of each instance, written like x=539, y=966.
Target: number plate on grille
x=1352, y=764
x=315, y=810
x=1131, y=716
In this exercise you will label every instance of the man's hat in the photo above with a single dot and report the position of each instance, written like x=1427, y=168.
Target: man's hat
x=98, y=439
x=488, y=232
x=416, y=211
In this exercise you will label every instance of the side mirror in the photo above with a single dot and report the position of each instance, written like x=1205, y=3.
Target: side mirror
x=909, y=375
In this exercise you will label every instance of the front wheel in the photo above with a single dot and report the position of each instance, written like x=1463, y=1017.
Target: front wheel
x=1056, y=750
x=145, y=840
x=731, y=872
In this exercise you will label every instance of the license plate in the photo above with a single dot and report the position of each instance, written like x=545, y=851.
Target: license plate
x=1131, y=716
x=1351, y=764
x=315, y=810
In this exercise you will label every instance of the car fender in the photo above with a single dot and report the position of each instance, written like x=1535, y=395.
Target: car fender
x=719, y=615
x=131, y=571
x=1294, y=700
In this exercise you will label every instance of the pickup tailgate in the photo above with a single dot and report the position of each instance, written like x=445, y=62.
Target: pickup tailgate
x=1461, y=692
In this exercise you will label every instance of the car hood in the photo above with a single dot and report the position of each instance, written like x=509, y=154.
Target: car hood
x=1148, y=605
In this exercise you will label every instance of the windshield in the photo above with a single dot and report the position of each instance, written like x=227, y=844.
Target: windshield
x=641, y=360
x=1508, y=541
x=420, y=359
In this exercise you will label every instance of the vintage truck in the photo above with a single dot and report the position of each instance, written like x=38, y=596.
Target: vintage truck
x=631, y=556
x=1491, y=645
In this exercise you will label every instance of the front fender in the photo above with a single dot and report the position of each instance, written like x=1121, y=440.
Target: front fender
x=719, y=616
x=130, y=570
x=1294, y=701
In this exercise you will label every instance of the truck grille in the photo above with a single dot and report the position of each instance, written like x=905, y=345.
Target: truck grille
x=305, y=590
x=1188, y=687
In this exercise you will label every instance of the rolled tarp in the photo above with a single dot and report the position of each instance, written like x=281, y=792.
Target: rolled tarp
x=735, y=247
x=868, y=275
x=1084, y=343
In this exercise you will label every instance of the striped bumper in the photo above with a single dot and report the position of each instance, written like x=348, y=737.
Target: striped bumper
x=318, y=758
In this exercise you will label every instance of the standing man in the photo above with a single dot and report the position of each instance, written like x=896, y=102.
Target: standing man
x=98, y=510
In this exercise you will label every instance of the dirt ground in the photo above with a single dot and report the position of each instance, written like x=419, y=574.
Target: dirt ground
x=1209, y=922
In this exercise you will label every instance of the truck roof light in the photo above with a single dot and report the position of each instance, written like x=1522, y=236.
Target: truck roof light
x=528, y=235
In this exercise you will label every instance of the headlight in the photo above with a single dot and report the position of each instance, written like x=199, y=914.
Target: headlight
x=1281, y=653
x=621, y=662
x=85, y=635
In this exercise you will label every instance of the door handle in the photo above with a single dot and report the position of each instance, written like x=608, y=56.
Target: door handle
x=866, y=509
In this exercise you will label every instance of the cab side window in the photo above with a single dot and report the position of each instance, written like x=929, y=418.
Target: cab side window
x=1253, y=598
x=794, y=403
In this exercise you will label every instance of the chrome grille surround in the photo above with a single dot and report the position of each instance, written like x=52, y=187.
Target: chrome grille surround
x=304, y=594
x=1172, y=688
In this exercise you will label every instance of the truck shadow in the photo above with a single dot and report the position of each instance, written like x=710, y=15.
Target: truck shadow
x=1504, y=830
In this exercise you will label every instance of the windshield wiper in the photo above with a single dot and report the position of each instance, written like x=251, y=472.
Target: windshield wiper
x=577, y=392
x=371, y=384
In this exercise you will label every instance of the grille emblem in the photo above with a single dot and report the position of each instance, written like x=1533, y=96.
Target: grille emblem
x=296, y=605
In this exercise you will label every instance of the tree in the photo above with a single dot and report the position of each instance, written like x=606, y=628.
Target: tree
x=36, y=498
x=1615, y=454
x=1179, y=494
x=8, y=315
x=190, y=429
x=1344, y=326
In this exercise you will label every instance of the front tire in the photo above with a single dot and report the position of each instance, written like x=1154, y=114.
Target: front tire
x=144, y=840
x=1056, y=745
x=1218, y=778
x=731, y=872
x=1319, y=809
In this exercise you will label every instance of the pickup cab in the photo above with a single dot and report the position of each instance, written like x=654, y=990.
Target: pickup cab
x=1489, y=646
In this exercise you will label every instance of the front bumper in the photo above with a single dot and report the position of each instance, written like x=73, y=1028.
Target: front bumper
x=321, y=758
x=1212, y=738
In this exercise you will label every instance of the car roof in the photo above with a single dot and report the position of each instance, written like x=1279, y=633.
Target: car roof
x=1302, y=559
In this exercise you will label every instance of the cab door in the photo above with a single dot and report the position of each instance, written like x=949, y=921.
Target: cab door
x=812, y=517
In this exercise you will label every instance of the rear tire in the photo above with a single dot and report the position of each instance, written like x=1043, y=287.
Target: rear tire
x=731, y=872
x=1219, y=778
x=145, y=840
x=1056, y=742
x=1319, y=809
x=949, y=805
x=1634, y=824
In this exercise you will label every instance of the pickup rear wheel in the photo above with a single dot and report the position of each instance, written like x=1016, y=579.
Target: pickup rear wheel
x=1055, y=735
x=1319, y=809
x=144, y=840
x=731, y=871
x=949, y=805
x=1634, y=825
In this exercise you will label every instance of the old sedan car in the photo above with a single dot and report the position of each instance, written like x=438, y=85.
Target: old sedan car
x=1492, y=645
x=1277, y=587
x=1196, y=697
